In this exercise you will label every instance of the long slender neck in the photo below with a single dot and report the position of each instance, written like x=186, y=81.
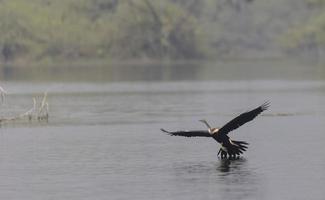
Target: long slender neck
x=206, y=123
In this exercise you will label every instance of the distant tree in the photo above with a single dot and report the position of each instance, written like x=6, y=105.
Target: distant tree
x=308, y=37
x=155, y=29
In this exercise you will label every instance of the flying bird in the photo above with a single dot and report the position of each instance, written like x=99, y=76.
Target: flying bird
x=229, y=147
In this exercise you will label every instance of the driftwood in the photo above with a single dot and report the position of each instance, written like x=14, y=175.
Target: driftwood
x=39, y=111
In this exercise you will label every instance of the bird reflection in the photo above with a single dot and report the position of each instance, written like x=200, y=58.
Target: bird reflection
x=237, y=180
x=227, y=165
x=226, y=178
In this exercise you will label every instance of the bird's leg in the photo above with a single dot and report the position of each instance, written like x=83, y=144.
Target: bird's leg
x=223, y=153
x=219, y=152
x=233, y=156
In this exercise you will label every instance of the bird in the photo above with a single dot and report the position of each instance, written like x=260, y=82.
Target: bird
x=229, y=147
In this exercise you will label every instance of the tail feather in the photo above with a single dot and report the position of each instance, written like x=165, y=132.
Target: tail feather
x=241, y=142
x=237, y=147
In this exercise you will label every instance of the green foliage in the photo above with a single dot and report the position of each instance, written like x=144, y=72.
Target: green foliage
x=66, y=30
x=158, y=30
x=311, y=33
x=42, y=29
x=71, y=29
x=315, y=2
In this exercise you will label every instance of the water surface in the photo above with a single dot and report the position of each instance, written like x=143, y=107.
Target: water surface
x=103, y=139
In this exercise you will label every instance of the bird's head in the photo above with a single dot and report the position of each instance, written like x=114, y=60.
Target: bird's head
x=211, y=130
x=205, y=122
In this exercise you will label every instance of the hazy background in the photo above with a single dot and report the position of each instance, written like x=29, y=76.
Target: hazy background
x=103, y=31
x=116, y=71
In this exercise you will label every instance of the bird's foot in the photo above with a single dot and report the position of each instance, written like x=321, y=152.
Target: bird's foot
x=223, y=153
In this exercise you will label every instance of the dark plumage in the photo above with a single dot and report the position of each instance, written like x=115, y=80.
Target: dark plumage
x=231, y=147
x=198, y=133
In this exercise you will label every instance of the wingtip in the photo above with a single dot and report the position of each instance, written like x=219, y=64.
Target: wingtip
x=168, y=132
x=265, y=105
x=163, y=130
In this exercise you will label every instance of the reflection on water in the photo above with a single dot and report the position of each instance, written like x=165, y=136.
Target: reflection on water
x=227, y=165
x=239, y=180
x=224, y=167
x=169, y=71
x=224, y=178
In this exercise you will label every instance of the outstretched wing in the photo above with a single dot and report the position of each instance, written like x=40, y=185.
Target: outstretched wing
x=242, y=119
x=198, y=133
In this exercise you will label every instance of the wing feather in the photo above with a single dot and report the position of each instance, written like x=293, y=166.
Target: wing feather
x=195, y=133
x=242, y=119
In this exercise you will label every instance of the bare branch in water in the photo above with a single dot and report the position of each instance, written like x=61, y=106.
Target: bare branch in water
x=43, y=109
x=40, y=113
x=2, y=94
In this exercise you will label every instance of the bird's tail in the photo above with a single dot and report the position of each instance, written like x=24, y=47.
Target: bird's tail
x=237, y=147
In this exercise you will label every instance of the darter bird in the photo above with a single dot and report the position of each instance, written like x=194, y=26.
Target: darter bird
x=229, y=147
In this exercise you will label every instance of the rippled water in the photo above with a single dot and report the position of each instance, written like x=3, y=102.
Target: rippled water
x=103, y=141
